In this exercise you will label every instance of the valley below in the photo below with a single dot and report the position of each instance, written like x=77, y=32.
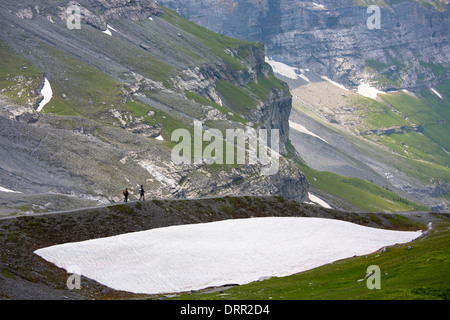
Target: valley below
x=329, y=130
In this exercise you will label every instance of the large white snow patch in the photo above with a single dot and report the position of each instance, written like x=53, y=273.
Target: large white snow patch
x=237, y=251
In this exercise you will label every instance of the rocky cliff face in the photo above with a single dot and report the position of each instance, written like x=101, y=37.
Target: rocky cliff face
x=332, y=38
x=272, y=112
x=93, y=12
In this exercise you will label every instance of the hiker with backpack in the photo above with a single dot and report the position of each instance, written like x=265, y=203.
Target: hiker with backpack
x=141, y=193
x=125, y=194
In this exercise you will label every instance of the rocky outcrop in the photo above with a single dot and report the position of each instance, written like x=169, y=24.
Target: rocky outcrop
x=135, y=10
x=275, y=114
x=288, y=182
x=332, y=38
x=397, y=130
x=272, y=113
x=200, y=78
x=114, y=9
x=136, y=124
x=93, y=12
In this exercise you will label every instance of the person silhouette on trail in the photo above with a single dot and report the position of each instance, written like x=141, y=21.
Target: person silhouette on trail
x=125, y=194
x=141, y=193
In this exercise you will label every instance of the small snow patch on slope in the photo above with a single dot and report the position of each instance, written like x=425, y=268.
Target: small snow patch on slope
x=8, y=190
x=108, y=30
x=109, y=27
x=302, y=129
x=366, y=90
x=319, y=6
x=47, y=93
x=334, y=82
x=317, y=200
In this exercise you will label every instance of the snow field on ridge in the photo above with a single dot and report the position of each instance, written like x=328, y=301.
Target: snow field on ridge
x=237, y=251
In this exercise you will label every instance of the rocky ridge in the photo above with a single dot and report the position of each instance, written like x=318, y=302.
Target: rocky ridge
x=100, y=145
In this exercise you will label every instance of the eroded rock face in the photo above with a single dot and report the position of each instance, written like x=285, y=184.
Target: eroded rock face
x=275, y=114
x=332, y=37
x=272, y=113
x=131, y=9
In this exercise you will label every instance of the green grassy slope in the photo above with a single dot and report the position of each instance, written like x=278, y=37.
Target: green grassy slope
x=217, y=43
x=414, y=128
x=426, y=147
x=365, y=195
x=82, y=88
x=18, y=77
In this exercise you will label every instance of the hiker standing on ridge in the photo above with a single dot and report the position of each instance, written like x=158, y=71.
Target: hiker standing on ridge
x=125, y=194
x=141, y=193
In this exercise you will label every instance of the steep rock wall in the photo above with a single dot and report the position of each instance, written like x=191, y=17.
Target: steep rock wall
x=332, y=37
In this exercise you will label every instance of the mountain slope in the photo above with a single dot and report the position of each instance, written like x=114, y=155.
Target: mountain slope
x=395, y=141
x=336, y=65
x=332, y=38
x=121, y=84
